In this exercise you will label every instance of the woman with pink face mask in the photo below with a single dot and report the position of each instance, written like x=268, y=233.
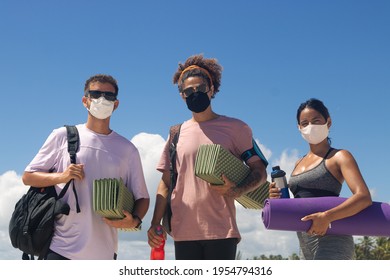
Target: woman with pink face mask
x=321, y=172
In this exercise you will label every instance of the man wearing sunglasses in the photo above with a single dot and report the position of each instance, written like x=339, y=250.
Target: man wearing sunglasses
x=102, y=154
x=203, y=223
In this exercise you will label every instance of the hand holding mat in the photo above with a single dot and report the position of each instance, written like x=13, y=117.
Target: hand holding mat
x=286, y=214
x=110, y=197
x=212, y=160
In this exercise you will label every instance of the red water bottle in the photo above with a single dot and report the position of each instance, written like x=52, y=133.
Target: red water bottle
x=158, y=253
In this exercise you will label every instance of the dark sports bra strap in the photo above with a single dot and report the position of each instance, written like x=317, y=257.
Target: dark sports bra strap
x=327, y=153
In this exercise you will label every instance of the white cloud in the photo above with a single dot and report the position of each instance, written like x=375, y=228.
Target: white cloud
x=256, y=240
x=267, y=152
x=11, y=189
x=150, y=147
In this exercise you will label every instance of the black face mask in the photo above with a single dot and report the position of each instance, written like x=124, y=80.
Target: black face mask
x=198, y=102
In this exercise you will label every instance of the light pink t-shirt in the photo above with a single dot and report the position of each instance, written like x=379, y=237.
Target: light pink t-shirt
x=198, y=212
x=84, y=235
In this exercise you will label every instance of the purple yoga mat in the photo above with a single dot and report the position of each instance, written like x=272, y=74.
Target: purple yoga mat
x=286, y=214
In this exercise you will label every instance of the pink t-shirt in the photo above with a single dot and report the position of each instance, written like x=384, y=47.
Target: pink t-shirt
x=198, y=212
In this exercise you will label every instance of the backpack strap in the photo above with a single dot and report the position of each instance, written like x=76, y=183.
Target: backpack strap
x=73, y=146
x=174, y=133
x=73, y=141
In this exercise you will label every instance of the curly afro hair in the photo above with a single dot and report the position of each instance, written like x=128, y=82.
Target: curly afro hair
x=209, y=64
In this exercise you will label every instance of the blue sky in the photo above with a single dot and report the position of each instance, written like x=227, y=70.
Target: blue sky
x=275, y=55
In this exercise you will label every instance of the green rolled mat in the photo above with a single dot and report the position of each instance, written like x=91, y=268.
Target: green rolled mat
x=212, y=160
x=110, y=197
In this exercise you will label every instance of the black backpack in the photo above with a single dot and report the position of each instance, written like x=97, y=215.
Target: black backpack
x=31, y=226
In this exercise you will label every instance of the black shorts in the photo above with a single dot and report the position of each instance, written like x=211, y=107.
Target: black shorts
x=217, y=249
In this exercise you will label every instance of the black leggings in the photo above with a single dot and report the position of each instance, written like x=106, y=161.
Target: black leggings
x=218, y=249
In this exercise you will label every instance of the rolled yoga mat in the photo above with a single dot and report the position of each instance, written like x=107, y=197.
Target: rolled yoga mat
x=286, y=214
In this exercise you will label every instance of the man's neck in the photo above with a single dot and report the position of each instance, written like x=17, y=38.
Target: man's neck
x=204, y=116
x=99, y=126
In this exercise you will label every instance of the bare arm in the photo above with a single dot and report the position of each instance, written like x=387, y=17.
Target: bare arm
x=359, y=200
x=141, y=207
x=161, y=199
x=256, y=177
x=361, y=197
x=159, y=209
x=130, y=220
x=46, y=179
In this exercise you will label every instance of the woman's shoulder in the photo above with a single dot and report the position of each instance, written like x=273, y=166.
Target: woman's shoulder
x=341, y=155
x=340, y=152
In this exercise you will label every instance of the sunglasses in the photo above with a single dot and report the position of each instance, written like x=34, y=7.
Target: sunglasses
x=96, y=94
x=190, y=90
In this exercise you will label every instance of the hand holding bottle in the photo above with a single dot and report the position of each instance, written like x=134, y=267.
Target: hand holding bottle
x=156, y=239
x=274, y=192
x=278, y=188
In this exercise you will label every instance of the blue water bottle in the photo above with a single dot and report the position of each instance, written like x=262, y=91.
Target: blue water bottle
x=279, y=177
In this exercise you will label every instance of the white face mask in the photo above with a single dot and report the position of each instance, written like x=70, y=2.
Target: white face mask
x=315, y=133
x=101, y=108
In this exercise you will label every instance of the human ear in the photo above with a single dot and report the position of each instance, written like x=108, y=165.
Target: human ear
x=212, y=91
x=329, y=122
x=116, y=104
x=85, y=101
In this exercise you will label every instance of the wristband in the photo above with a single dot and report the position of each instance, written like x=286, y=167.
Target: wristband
x=139, y=219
